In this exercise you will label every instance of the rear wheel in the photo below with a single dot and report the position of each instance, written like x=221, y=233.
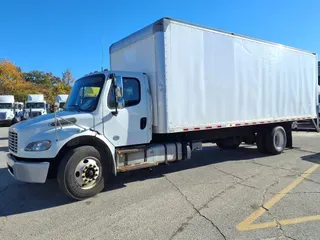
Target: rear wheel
x=276, y=140
x=80, y=173
x=229, y=143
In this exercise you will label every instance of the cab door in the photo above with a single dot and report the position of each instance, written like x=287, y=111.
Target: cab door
x=131, y=125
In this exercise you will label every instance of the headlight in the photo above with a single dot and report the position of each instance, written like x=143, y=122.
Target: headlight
x=38, y=146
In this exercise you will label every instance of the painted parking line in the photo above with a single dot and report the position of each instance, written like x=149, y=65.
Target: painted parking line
x=247, y=224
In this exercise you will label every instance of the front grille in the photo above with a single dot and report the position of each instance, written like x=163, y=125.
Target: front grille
x=35, y=114
x=3, y=116
x=13, y=141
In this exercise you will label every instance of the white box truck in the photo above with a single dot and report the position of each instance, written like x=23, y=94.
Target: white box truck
x=171, y=87
x=61, y=100
x=6, y=109
x=35, y=105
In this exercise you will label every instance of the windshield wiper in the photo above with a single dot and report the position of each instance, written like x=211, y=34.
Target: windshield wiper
x=76, y=106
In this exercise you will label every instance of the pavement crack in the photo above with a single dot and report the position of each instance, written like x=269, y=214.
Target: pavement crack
x=249, y=186
x=274, y=167
x=282, y=230
x=183, y=225
x=304, y=150
x=298, y=193
x=266, y=191
x=227, y=173
x=278, y=224
x=311, y=180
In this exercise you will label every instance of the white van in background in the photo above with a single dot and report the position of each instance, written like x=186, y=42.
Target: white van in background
x=6, y=109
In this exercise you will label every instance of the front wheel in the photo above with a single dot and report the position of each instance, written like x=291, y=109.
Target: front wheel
x=80, y=173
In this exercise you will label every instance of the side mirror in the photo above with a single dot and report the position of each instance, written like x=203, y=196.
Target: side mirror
x=56, y=106
x=120, y=103
x=119, y=87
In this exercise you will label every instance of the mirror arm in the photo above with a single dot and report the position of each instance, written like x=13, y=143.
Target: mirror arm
x=115, y=113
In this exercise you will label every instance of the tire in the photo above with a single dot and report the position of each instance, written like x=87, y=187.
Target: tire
x=229, y=143
x=276, y=140
x=80, y=173
x=261, y=142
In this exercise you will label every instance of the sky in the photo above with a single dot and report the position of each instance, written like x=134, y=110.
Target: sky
x=52, y=35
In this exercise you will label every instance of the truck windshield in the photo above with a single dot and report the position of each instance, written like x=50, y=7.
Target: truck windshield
x=61, y=104
x=35, y=105
x=5, y=105
x=85, y=93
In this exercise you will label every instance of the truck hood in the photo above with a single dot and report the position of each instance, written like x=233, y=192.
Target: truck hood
x=46, y=122
x=43, y=128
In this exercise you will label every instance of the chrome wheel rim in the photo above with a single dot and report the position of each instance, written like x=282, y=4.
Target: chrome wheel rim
x=279, y=140
x=87, y=173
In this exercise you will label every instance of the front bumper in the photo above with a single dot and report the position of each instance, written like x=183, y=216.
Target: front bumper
x=5, y=121
x=31, y=172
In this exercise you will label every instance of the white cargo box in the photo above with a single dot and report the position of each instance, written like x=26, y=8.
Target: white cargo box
x=35, y=98
x=62, y=98
x=202, y=78
x=6, y=99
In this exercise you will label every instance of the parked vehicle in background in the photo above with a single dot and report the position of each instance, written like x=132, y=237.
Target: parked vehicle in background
x=18, y=107
x=309, y=124
x=61, y=100
x=48, y=108
x=6, y=109
x=35, y=105
x=171, y=87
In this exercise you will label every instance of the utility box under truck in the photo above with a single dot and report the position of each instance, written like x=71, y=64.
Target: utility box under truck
x=171, y=87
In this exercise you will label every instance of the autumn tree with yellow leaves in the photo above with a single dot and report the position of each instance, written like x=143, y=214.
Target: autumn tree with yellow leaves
x=15, y=82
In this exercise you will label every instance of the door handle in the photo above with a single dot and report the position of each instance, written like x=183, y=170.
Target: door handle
x=143, y=123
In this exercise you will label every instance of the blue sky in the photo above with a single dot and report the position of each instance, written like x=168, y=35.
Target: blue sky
x=51, y=36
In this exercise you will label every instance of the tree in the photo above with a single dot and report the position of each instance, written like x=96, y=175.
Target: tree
x=38, y=77
x=14, y=82
x=67, y=77
x=10, y=75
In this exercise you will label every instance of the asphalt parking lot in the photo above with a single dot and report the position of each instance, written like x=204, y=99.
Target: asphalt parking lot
x=239, y=194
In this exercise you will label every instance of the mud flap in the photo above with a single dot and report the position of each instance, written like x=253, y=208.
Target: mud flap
x=288, y=130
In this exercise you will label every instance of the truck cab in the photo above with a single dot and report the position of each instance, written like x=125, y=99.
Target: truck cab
x=6, y=109
x=106, y=110
x=35, y=105
x=61, y=100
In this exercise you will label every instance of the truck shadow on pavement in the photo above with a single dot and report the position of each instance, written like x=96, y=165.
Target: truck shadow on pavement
x=17, y=197
x=314, y=158
x=208, y=156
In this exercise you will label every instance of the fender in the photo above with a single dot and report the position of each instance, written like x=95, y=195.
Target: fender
x=99, y=137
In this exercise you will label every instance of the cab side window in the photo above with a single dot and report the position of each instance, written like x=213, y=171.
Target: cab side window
x=131, y=93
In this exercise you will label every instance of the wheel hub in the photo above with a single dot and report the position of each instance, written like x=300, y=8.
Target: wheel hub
x=87, y=173
x=90, y=173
